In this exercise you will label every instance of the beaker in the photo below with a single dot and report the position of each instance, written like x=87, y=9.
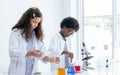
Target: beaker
x=77, y=67
x=61, y=70
x=54, y=65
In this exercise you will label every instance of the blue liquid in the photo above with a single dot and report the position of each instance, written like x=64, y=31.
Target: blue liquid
x=71, y=70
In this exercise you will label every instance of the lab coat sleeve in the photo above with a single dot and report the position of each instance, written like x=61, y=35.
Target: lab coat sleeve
x=43, y=49
x=14, y=51
x=55, y=45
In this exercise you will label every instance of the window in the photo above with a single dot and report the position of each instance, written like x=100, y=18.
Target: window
x=99, y=27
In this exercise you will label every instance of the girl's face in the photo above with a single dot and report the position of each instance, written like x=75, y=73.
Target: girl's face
x=34, y=22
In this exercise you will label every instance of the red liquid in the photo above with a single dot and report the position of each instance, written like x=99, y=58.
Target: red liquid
x=77, y=68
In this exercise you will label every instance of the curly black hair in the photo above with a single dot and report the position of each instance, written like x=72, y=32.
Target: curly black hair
x=70, y=22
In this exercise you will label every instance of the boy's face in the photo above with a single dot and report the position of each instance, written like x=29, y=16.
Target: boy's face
x=67, y=31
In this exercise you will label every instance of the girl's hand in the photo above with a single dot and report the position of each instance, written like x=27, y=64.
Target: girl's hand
x=57, y=59
x=54, y=59
x=46, y=58
x=35, y=53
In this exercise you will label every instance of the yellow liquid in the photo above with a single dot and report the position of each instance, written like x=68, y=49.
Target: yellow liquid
x=61, y=71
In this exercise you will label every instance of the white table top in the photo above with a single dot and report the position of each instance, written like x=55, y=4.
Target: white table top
x=113, y=69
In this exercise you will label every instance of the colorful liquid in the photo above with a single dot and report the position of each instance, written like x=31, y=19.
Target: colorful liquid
x=77, y=68
x=71, y=70
x=61, y=71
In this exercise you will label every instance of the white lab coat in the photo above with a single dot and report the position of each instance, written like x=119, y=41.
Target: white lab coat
x=17, y=52
x=57, y=44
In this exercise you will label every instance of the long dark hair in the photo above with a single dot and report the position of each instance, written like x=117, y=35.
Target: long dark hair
x=24, y=24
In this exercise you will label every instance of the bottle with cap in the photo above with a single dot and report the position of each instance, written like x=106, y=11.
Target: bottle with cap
x=37, y=73
x=107, y=63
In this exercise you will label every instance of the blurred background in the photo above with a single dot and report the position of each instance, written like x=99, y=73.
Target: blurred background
x=99, y=26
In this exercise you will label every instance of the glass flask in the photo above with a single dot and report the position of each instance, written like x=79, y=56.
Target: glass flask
x=71, y=70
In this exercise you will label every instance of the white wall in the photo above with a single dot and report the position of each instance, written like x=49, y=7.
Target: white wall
x=10, y=11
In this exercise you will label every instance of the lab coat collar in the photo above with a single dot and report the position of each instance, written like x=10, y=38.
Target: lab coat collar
x=61, y=37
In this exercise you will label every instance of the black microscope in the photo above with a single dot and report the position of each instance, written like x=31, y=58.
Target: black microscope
x=85, y=58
